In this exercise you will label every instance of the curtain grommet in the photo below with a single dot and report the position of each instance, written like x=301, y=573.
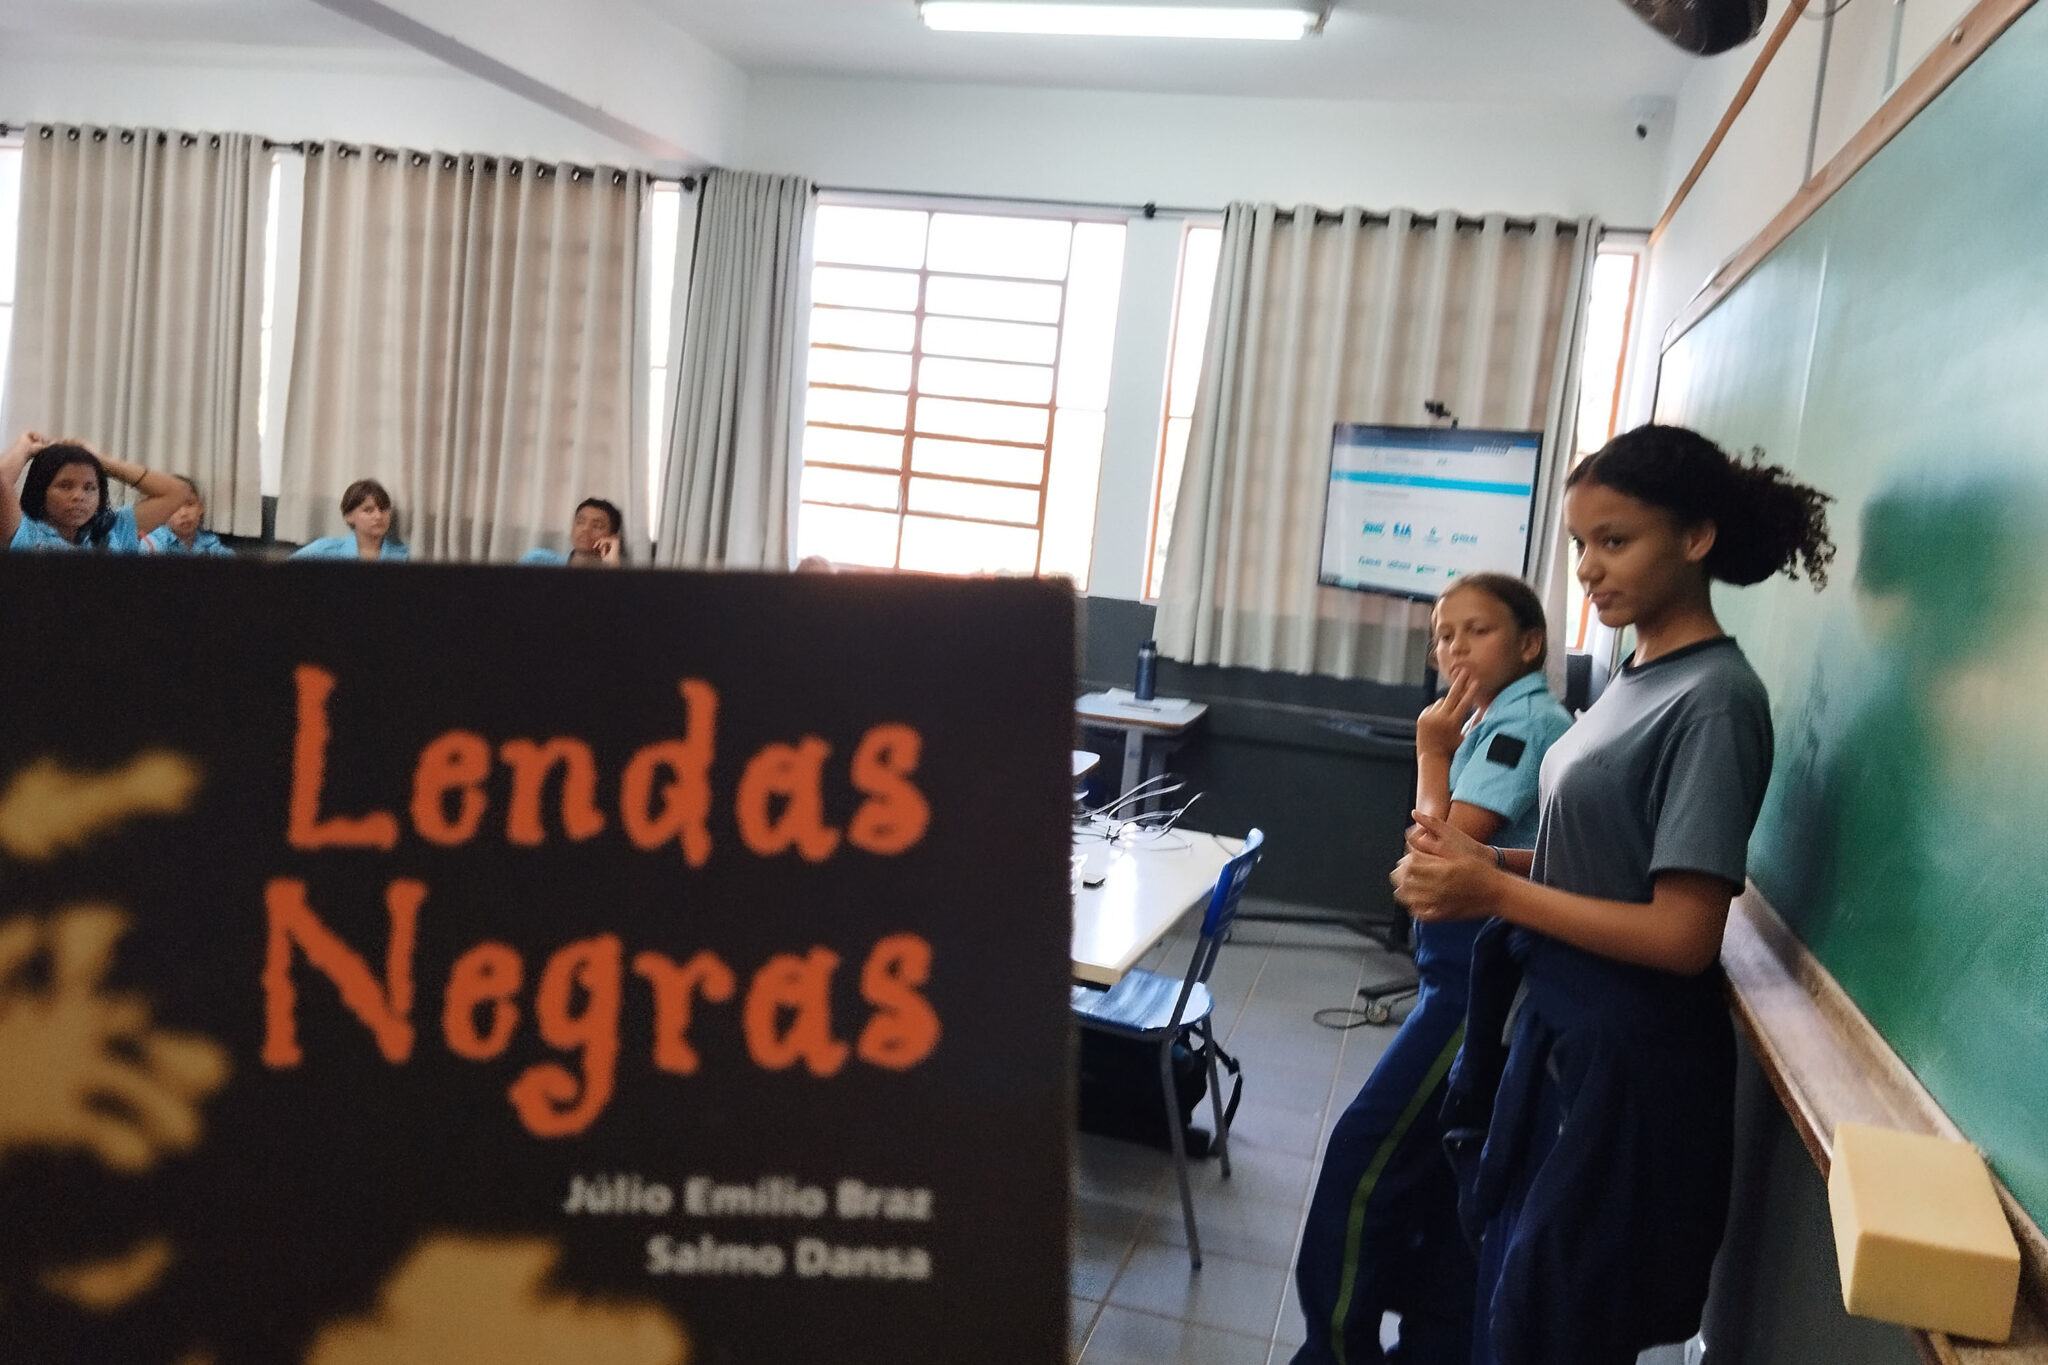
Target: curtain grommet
x=127, y=136
x=72, y=135
x=99, y=135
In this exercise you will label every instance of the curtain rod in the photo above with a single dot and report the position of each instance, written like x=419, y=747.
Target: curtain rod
x=688, y=182
x=1150, y=210
x=1147, y=210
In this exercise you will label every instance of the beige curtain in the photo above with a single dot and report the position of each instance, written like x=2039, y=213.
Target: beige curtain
x=1321, y=318
x=139, y=303
x=465, y=336
x=737, y=378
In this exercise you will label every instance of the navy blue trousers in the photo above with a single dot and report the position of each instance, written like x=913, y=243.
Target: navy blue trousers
x=1382, y=1232
x=1602, y=1183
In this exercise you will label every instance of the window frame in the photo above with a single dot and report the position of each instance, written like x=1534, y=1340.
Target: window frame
x=1636, y=246
x=905, y=471
x=1189, y=227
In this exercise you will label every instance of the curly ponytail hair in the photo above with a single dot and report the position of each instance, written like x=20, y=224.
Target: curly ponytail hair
x=1765, y=521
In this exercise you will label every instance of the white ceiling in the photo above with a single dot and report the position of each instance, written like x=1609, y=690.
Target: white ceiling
x=1462, y=50
x=208, y=23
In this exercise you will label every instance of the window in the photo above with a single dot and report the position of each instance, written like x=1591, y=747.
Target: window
x=1610, y=316
x=959, y=376
x=267, y=334
x=10, y=228
x=1199, y=250
x=665, y=217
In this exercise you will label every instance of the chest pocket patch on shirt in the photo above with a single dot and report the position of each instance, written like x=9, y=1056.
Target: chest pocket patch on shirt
x=1506, y=750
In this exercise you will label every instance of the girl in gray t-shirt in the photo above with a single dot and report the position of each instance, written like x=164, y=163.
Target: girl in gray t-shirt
x=1594, y=1151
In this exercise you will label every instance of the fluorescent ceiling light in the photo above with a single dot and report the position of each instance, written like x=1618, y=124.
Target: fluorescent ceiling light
x=1122, y=21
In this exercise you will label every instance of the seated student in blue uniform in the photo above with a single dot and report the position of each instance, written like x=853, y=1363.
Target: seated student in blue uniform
x=182, y=533
x=1594, y=1149
x=1382, y=1233
x=366, y=507
x=594, y=538
x=62, y=504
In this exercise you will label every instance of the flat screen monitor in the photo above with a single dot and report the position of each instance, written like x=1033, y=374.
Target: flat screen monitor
x=1409, y=509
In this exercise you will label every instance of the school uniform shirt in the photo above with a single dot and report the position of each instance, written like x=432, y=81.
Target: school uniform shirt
x=1497, y=767
x=1601, y=1187
x=34, y=535
x=344, y=547
x=1498, y=763
x=164, y=541
x=540, y=554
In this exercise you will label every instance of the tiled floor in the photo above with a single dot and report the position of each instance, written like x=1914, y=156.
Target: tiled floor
x=1133, y=1297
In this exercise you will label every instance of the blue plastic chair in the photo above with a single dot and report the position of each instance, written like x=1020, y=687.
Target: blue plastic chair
x=1163, y=1009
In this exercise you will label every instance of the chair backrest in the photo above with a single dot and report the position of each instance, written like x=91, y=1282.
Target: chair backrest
x=1222, y=911
x=1221, y=914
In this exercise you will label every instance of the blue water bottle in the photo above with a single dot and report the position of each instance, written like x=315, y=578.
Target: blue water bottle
x=1148, y=671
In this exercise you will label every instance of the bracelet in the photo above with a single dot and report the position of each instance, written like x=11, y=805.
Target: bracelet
x=140, y=475
x=1500, y=857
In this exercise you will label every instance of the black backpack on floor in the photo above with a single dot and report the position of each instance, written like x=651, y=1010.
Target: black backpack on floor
x=1120, y=1096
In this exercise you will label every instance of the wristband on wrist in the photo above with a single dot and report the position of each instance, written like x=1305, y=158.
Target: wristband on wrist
x=1500, y=857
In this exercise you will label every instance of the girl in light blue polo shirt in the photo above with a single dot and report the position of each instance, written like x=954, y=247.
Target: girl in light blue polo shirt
x=366, y=507
x=182, y=534
x=1382, y=1233
x=62, y=504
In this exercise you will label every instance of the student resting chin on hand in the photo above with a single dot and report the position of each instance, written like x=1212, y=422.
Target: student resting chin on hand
x=1382, y=1233
x=594, y=538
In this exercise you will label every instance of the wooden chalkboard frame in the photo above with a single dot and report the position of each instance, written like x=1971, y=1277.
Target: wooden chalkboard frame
x=1823, y=1057
x=1829, y=1065
x=1966, y=42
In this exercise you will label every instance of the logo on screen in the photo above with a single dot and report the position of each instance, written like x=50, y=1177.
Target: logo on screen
x=1462, y=538
x=1402, y=530
x=1374, y=528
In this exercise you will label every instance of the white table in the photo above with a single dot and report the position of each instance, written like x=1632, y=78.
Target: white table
x=1147, y=884
x=1118, y=709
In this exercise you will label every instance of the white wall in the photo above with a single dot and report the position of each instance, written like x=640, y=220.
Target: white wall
x=396, y=99
x=617, y=65
x=1203, y=150
x=1762, y=164
x=1080, y=146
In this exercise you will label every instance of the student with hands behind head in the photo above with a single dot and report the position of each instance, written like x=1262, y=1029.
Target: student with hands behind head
x=63, y=503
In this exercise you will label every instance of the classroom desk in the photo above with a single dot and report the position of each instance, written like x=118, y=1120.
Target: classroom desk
x=1117, y=709
x=1147, y=884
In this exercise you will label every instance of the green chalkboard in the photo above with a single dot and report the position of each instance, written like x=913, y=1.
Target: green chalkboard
x=1894, y=351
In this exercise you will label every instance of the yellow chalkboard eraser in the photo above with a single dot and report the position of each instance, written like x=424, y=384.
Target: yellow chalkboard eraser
x=1920, y=1235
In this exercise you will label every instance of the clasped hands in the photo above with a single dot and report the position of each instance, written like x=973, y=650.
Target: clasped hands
x=1446, y=874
